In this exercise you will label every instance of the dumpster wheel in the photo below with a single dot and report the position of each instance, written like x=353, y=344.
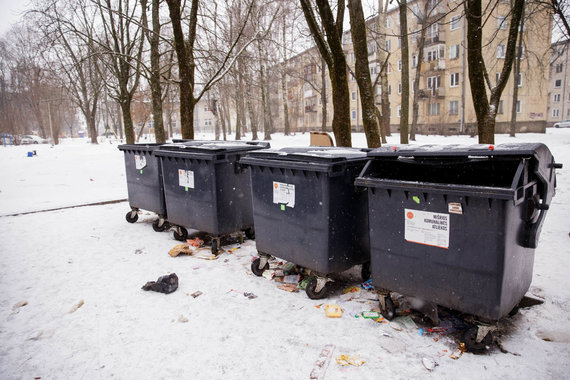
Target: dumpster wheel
x=250, y=233
x=471, y=344
x=387, y=307
x=180, y=233
x=216, y=244
x=255, y=268
x=160, y=225
x=311, y=289
x=132, y=216
x=365, y=272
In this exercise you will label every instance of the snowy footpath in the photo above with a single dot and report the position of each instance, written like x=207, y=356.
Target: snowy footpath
x=71, y=304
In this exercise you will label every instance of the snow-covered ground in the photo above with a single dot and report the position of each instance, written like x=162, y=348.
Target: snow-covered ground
x=71, y=304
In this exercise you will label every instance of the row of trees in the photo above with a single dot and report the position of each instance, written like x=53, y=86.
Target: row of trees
x=121, y=61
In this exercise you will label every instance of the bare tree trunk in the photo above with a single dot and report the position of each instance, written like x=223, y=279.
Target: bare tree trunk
x=154, y=80
x=127, y=121
x=362, y=71
x=405, y=98
x=286, y=126
x=383, y=58
x=516, y=74
x=421, y=43
x=252, y=116
x=324, y=105
x=485, y=108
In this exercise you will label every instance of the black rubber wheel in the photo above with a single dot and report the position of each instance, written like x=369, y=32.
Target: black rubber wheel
x=312, y=294
x=215, y=246
x=365, y=272
x=250, y=233
x=183, y=235
x=255, y=267
x=131, y=219
x=158, y=228
x=390, y=311
x=471, y=344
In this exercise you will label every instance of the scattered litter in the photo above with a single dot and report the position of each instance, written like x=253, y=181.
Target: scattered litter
x=200, y=253
x=367, y=285
x=406, y=322
x=196, y=294
x=304, y=282
x=19, y=305
x=333, y=311
x=76, y=306
x=289, y=268
x=421, y=332
x=319, y=306
x=196, y=242
x=346, y=297
x=429, y=364
x=346, y=360
x=165, y=284
x=289, y=288
x=322, y=362
x=138, y=251
x=182, y=319
x=292, y=279
x=268, y=274
x=249, y=295
x=371, y=315
x=459, y=352
x=350, y=289
x=396, y=326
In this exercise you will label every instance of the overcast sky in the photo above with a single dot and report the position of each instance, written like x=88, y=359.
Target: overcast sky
x=10, y=13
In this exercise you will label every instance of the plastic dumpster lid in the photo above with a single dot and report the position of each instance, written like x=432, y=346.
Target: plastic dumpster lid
x=311, y=154
x=521, y=149
x=213, y=146
x=148, y=147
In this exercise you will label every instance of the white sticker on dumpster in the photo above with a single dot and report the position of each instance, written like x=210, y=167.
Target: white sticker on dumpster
x=429, y=228
x=140, y=162
x=284, y=193
x=186, y=178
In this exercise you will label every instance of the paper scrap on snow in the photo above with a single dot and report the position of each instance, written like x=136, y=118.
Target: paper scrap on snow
x=322, y=362
x=76, y=306
x=346, y=360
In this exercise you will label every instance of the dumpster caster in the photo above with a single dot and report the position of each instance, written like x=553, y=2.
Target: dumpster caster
x=260, y=265
x=365, y=272
x=387, y=307
x=470, y=338
x=317, y=288
x=250, y=233
x=132, y=216
x=180, y=233
x=215, y=245
x=160, y=225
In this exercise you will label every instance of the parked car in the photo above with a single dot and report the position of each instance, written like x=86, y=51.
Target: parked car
x=562, y=124
x=32, y=139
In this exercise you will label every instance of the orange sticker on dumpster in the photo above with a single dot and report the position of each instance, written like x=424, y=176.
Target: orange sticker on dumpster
x=410, y=215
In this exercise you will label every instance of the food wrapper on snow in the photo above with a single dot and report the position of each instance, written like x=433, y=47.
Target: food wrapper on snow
x=333, y=311
x=346, y=360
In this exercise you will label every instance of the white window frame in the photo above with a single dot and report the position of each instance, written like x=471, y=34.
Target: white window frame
x=520, y=81
x=455, y=108
x=519, y=106
x=502, y=23
x=353, y=114
x=555, y=112
x=455, y=22
x=388, y=45
x=556, y=98
x=454, y=80
x=399, y=87
x=353, y=96
x=558, y=83
x=388, y=22
x=501, y=51
x=454, y=51
x=399, y=65
x=399, y=111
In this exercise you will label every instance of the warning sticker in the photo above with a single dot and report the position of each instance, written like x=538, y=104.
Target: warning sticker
x=140, y=162
x=284, y=193
x=186, y=178
x=429, y=228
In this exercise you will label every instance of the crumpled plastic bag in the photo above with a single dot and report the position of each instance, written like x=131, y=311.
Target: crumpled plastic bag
x=165, y=284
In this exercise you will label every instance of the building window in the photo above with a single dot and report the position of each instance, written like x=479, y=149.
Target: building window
x=432, y=30
x=519, y=106
x=388, y=45
x=389, y=89
x=433, y=109
x=351, y=57
x=497, y=78
x=413, y=86
x=558, y=83
x=501, y=51
x=555, y=112
x=399, y=42
x=454, y=80
x=353, y=95
x=399, y=65
x=559, y=68
x=500, y=110
x=388, y=68
x=556, y=98
x=433, y=82
x=414, y=60
x=520, y=83
x=502, y=23
x=454, y=51
x=399, y=88
x=454, y=107
x=568, y=113
x=455, y=22
x=388, y=22
x=353, y=113
x=399, y=111
x=569, y=97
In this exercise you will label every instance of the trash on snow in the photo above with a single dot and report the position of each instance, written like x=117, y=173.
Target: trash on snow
x=165, y=284
x=333, y=311
x=346, y=360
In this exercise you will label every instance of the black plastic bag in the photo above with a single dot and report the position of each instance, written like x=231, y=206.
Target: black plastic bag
x=165, y=284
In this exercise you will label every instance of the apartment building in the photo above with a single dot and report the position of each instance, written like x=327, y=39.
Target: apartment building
x=445, y=105
x=559, y=83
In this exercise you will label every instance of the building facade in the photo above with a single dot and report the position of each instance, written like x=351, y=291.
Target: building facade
x=559, y=83
x=445, y=105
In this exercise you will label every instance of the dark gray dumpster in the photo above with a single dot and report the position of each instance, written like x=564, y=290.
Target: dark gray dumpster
x=457, y=225
x=206, y=188
x=307, y=210
x=144, y=182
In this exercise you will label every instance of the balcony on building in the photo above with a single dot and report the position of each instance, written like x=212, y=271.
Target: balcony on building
x=432, y=66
